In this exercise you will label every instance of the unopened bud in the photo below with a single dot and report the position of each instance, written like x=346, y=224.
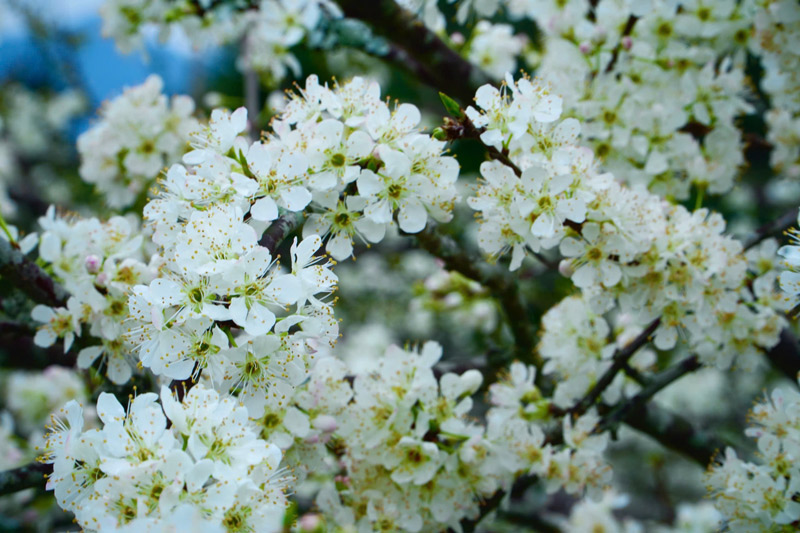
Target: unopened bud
x=471, y=380
x=627, y=42
x=439, y=134
x=309, y=522
x=92, y=263
x=565, y=268
x=325, y=423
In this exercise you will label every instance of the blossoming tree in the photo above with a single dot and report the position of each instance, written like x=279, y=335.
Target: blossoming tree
x=551, y=325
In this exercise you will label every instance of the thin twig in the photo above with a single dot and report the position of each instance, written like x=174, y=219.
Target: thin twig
x=657, y=383
x=463, y=128
x=778, y=225
x=619, y=361
x=625, y=32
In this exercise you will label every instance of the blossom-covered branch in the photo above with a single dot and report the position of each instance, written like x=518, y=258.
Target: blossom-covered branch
x=619, y=361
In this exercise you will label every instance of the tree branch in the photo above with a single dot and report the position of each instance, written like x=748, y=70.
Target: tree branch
x=778, y=225
x=620, y=361
x=24, y=477
x=280, y=228
x=488, y=506
x=625, y=32
x=463, y=128
x=18, y=351
x=674, y=432
x=446, y=70
x=657, y=383
x=26, y=275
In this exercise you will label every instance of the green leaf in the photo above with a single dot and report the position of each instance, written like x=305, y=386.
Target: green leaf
x=452, y=107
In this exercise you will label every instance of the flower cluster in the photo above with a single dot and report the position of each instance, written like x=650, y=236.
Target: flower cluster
x=412, y=460
x=364, y=163
x=599, y=515
x=151, y=460
x=576, y=347
x=620, y=246
x=33, y=396
x=761, y=496
x=657, y=85
x=268, y=32
x=273, y=29
x=494, y=48
x=457, y=299
x=98, y=263
x=784, y=135
x=221, y=304
x=138, y=134
x=777, y=28
x=520, y=413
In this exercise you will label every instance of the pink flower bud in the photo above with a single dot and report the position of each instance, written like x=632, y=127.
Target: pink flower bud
x=325, y=423
x=92, y=263
x=457, y=38
x=585, y=47
x=309, y=522
x=627, y=42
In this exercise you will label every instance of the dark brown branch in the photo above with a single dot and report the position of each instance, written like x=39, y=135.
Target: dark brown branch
x=18, y=351
x=634, y=374
x=25, y=477
x=279, y=230
x=26, y=275
x=465, y=129
x=674, y=432
x=446, y=70
x=625, y=32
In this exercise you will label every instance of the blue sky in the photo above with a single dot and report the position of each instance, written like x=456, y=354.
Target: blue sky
x=102, y=68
